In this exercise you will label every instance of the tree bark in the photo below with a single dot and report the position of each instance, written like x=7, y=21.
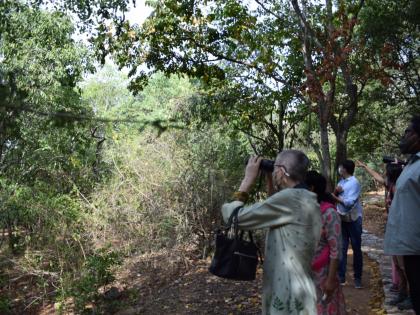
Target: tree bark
x=341, y=153
x=325, y=147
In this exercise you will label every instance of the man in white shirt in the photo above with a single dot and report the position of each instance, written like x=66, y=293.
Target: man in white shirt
x=347, y=195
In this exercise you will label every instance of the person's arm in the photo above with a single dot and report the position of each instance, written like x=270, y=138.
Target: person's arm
x=352, y=193
x=335, y=195
x=338, y=190
x=274, y=211
x=251, y=173
x=376, y=176
x=336, y=198
x=331, y=283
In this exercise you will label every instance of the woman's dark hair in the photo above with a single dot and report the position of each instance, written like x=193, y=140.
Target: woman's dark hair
x=393, y=171
x=318, y=183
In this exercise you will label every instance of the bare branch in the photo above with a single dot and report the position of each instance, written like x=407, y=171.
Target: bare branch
x=330, y=25
x=268, y=10
x=272, y=127
x=250, y=134
x=254, y=148
x=188, y=36
x=305, y=25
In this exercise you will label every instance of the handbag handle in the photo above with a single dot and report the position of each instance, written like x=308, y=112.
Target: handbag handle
x=234, y=219
x=233, y=222
x=232, y=216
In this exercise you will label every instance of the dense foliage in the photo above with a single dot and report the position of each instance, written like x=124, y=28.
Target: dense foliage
x=46, y=155
x=266, y=65
x=99, y=163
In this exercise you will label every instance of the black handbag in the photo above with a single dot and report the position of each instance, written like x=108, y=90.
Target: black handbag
x=234, y=258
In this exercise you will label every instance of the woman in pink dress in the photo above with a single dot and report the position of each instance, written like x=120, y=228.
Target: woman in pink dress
x=330, y=298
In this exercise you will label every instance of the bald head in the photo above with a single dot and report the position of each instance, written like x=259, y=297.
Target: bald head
x=296, y=163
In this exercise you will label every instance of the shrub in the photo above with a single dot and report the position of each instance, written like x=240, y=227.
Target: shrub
x=166, y=191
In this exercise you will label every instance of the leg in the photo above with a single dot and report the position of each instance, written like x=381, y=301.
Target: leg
x=356, y=244
x=411, y=264
x=345, y=245
x=399, y=265
x=395, y=275
x=402, y=293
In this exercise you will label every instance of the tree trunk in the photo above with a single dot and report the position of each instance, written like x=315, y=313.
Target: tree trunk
x=280, y=128
x=341, y=127
x=325, y=150
x=341, y=153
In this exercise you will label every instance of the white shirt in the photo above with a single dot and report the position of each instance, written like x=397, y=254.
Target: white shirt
x=350, y=196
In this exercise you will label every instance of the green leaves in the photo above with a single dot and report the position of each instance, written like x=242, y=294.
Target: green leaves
x=40, y=54
x=44, y=152
x=40, y=67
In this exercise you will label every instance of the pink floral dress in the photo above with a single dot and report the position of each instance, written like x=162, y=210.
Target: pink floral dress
x=330, y=237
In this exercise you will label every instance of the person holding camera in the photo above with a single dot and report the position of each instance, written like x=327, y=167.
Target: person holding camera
x=291, y=215
x=402, y=233
x=347, y=194
x=393, y=170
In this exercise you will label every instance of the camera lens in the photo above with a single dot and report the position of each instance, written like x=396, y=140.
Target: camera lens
x=388, y=159
x=267, y=166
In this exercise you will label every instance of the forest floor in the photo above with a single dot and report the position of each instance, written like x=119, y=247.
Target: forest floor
x=175, y=283
x=198, y=292
x=193, y=290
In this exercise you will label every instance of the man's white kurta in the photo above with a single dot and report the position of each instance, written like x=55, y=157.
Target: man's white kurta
x=293, y=219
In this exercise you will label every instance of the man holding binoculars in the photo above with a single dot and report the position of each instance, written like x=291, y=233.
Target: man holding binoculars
x=291, y=215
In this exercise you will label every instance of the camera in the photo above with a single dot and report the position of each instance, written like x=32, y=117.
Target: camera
x=266, y=165
x=390, y=159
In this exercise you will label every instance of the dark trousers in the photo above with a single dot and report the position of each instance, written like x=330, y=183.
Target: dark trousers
x=351, y=232
x=412, y=264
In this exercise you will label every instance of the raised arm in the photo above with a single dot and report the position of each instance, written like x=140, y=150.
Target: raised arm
x=376, y=176
x=274, y=211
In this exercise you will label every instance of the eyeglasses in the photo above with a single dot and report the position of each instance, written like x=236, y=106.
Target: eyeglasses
x=284, y=167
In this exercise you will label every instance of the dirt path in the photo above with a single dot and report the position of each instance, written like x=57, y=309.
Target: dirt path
x=172, y=283
x=185, y=289
x=198, y=292
x=358, y=300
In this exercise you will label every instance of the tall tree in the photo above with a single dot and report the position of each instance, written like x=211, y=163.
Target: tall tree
x=40, y=67
x=317, y=53
x=45, y=140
